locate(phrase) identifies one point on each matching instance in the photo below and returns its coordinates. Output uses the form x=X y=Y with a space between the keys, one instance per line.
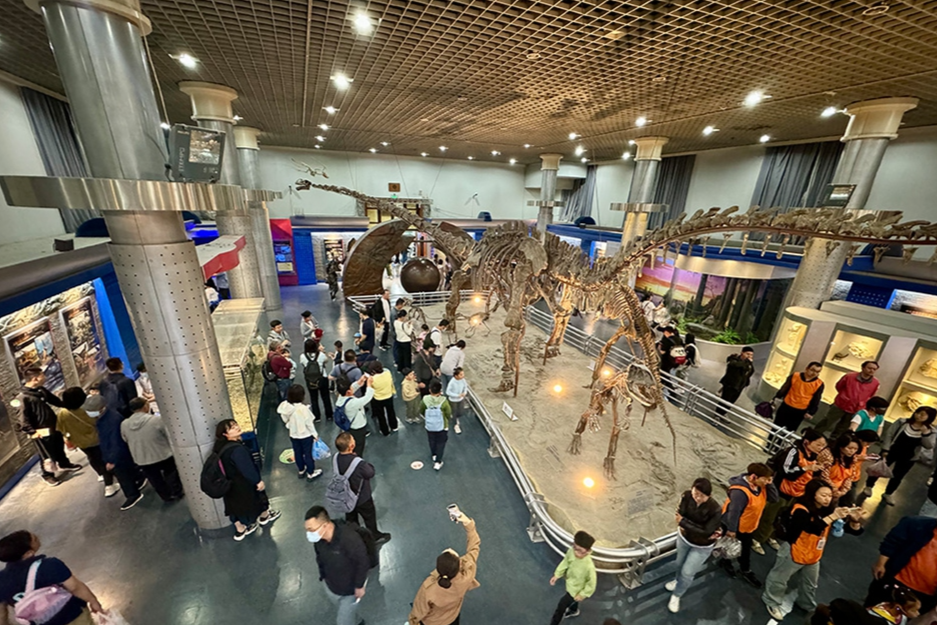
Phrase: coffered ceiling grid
x=482 y=75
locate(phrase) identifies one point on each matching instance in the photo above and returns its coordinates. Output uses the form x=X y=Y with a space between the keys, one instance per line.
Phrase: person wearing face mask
x=343 y=562
x=807 y=528
x=78 y=428
x=439 y=599
x=698 y=519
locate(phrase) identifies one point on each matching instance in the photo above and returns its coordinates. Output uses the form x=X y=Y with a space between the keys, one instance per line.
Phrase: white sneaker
x=457 y=428
x=110 y=491
x=671 y=585
x=100 y=478
x=434 y=458
x=674 y=604
x=437 y=466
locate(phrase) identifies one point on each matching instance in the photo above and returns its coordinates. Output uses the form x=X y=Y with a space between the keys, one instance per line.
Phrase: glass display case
x=787 y=344
x=849 y=348
x=240 y=335
x=919 y=385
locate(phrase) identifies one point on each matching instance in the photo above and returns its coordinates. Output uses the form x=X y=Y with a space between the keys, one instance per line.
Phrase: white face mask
x=313 y=537
x=93 y=414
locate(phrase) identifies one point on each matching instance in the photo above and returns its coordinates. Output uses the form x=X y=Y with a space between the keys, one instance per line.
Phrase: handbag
x=320 y=450
x=879 y=468
x=727 y=547
x=765 y=410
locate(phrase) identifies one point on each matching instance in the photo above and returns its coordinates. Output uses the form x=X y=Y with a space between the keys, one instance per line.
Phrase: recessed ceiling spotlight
x=424 y=119
x=641 y=121
x=342 y=81
x=187 y=60
x=584 y=159
x=320 y=138
x=659 y=79
x=385 y=143
x=443 y=148
x=533 y=56
x=372 y=150
x=614 y=35
x=754 y=98
x=526 y=146
x=495 y=153
x=237 y=118
x=765 y=138
x=324 y=126
x=572 y=136
x=580 y=150
x=331 y=110
x=708 y=130
x=295 y=125
x=513 y=161
x=318 y=147
x=471 y=158
x=879 y=8
x=626 y=156
x=165 y=126
x=424 y=154
x=461 y=98
x=631 y=142
x=363 y=23
x=829 y=111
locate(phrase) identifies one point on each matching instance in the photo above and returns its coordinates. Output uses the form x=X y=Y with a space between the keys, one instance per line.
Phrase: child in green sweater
x=578 y=569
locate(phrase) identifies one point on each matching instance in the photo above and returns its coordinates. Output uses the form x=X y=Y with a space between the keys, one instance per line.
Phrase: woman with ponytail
x=439 y=599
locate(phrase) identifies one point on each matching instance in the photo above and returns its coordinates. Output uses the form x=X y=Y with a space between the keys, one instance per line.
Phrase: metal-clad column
x=248 y=151
x=211 y=108
x=101 y=61
x=872 y=125
x=550 y=165
x=643 y=185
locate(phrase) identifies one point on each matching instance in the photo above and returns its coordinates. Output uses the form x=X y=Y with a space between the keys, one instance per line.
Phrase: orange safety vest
x=839 y=474
x=751 y=515
x=808 y=548
x=801 y=392
x=796 y=488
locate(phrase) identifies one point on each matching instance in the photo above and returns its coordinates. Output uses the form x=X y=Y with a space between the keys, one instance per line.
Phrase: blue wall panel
x=303 y=257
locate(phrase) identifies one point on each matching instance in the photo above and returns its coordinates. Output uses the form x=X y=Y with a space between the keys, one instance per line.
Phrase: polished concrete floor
x=150 y=563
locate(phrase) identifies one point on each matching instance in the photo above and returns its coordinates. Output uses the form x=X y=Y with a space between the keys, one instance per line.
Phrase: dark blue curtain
x=578 y=200
x=794 y=176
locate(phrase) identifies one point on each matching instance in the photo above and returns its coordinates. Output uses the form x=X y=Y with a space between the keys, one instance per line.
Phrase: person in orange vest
x=800 y=396
x=806 y=529
x=749 y=493
x=842 y=467
x=794 y=467
x=907 y=558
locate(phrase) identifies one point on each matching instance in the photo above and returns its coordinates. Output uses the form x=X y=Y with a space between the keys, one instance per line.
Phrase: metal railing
x=628 y=563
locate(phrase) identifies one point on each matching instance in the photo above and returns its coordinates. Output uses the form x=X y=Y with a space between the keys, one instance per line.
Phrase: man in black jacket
x=38 y=420
x=343 y=562
x=907 y=556
x=738 y=375
x=116 y=388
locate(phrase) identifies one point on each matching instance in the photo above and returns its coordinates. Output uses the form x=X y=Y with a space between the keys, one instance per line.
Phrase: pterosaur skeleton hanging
x=519 y=265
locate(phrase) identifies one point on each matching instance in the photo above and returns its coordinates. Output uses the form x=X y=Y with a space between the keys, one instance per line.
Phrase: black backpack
x=214 y=482
x=312 y=371
x=777 y=461
x=370 y=544
x=267 y=372
x=782 y=524
x=343 y=373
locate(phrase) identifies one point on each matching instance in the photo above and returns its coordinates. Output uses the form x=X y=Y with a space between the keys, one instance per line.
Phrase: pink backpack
x=39 y=605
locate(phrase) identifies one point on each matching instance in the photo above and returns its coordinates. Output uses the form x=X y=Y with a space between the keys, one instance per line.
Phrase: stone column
x=872 y=125
x=248 y=151
x=101 y=61
x=643 y=186
x=211 y=108
x=549 y=167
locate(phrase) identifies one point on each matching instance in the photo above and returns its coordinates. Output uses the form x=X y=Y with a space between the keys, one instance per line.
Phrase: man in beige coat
x=439 y=599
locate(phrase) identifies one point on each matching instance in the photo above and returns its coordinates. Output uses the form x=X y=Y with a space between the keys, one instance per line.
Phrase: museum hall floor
x=150 y=564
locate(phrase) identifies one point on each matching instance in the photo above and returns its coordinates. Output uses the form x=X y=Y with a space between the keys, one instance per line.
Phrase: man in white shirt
x=354 y=408
x=381 y=314
x=454 y=359
x=403 y=336
x=436 y=335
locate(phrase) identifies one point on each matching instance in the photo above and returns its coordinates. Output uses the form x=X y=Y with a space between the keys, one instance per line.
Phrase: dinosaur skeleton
x=519 y=266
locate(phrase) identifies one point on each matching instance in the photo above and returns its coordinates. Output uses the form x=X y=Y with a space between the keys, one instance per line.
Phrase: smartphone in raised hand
x=454 y=512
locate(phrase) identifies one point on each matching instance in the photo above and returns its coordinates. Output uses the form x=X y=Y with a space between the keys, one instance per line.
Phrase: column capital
x=245 y=137
x=550 y=161
x=649 y=148
x=876 y=119
x=127 y=9
x=210 y=101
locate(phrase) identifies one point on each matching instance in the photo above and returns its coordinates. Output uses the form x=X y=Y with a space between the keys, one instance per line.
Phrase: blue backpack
x=435 y=422
x=340 y=418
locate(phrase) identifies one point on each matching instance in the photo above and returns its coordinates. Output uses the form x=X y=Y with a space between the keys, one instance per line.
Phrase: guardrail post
x=633 y=575
x=493 y=450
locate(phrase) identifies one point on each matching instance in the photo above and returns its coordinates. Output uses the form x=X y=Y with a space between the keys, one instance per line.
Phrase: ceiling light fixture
x=342 y=81
x=513 y=161
x=385 y=143
x=533 y=56
x=879 y=8
x=584 y=159
x=318 y=147
x=320 y=138
x=829 y=111
x=765 y=138
x=526 y=146
x=443 y=148
x=754 y=98
x=331 y=110
x=372 y=150
x=423 y=154
x=659 y=79
x=471 y=158
x=573 y=136
x=165 y=126
x=641 y=121
x=237 y=118
x=187 y=60
x=708 y=130
x=324 y=126
x=626 y=156
x=580 y=150
x=495 y=153
x=363 y=23
x=631 y=142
